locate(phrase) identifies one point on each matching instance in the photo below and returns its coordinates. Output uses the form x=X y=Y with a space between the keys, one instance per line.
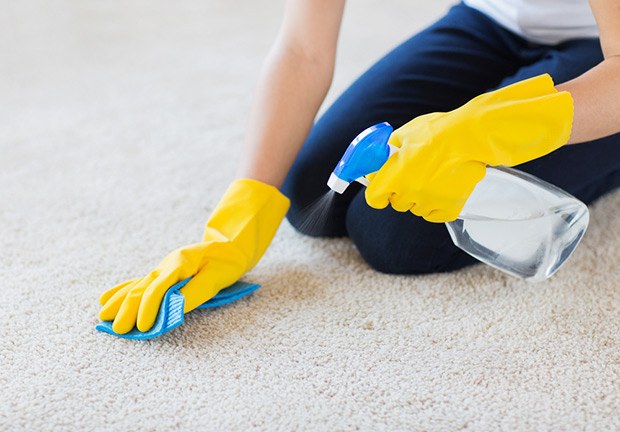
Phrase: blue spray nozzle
x=366 y=154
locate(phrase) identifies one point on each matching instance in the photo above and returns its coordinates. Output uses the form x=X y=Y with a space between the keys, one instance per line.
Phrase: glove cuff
x=248 y=215
x=517 y=123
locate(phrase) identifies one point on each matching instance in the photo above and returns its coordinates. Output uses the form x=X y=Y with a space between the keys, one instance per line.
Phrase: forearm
x=596 y=96
x=291 y=90
x=597 y=92
x=293 y=84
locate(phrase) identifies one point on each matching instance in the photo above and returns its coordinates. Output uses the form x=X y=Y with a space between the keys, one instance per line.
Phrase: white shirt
x=542 y=21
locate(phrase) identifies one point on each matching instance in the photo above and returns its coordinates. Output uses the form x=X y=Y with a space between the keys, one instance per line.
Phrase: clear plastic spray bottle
x=512 y=221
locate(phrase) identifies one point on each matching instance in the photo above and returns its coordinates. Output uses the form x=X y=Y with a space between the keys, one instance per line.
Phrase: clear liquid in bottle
x=520 y=224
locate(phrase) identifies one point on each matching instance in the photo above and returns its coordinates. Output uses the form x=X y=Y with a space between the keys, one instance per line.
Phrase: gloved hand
x=443 y=155
x=235 y=238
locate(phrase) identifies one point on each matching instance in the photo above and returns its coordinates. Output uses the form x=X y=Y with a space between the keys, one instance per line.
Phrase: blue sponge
x=171 y=313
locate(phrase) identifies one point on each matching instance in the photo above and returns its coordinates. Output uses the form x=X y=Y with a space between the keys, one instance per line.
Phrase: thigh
x=586 y=170
x=438 y=69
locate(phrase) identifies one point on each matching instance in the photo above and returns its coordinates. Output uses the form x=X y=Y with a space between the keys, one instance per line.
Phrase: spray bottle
x=512 y=221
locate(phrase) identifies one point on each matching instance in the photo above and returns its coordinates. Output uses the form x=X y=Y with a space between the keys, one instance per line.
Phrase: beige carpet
x=120 y=125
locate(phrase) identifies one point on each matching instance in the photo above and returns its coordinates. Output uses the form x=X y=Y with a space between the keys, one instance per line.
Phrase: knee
x=401 y=243
x=390 y=257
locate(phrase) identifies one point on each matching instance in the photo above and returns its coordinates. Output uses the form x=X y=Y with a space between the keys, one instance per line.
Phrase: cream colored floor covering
x=121 y=122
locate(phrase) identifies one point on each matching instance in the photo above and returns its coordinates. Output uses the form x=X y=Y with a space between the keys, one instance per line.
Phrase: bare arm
x=294 y=82
x=597 y=92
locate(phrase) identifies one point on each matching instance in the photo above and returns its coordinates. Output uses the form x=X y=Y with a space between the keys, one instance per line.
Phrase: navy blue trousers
x=462 y=55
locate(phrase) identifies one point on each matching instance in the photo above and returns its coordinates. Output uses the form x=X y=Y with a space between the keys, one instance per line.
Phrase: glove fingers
x=381 y=188
x=128 y=311
x=151 y=301
x=103 y=299
x=377 y=200
x=420 y=209
x=111 y=309
x=112 y=305
x=400 y=203
x=152 y=297
x=126 y=318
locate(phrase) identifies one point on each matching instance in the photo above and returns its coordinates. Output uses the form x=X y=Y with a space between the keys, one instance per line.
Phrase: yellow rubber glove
x=443 y=155
x=235 y=238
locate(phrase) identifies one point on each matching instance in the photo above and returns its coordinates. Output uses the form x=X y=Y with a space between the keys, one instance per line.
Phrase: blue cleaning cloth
x=171 y=314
